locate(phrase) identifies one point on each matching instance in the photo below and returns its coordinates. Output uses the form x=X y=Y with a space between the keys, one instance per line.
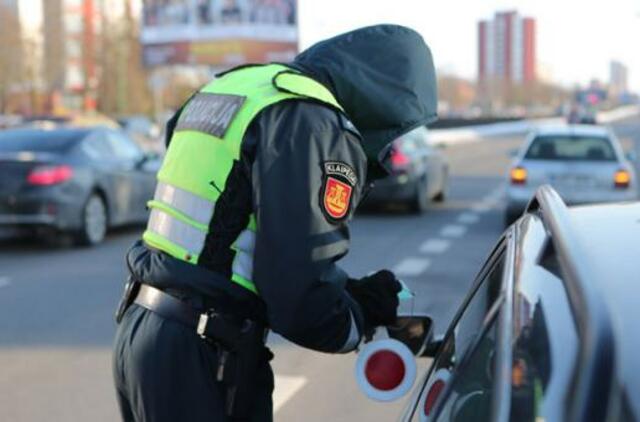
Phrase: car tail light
x=622 y=179
x=518 y=176
x=432 y=396
x=399 y=160
x=49 y=175
x=385 y=369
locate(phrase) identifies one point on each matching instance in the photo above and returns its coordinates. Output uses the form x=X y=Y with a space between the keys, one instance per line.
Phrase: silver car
x=584 y=164
x=548 y=330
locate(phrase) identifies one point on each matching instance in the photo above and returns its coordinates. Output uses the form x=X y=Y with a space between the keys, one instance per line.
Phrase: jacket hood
x=384 y=78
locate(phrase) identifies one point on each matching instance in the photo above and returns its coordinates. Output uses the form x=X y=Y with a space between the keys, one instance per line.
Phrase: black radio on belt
x=131 y=289
x=240 y=350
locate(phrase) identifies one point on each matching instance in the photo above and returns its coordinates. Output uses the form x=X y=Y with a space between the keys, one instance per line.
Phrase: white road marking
x=488 y=205
x=496 y=194
x=410 y=267
x=453 y=230
x=4 y=281
x=490 y=201
x=468 y=218
x=435 y=246
x=286 y=388
x=480 y=208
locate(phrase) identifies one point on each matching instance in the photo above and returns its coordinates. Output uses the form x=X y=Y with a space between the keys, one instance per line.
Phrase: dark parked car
x=418 y=176
x=582 y=116
x=80 y=181
x=549 y=330
x=140 y=128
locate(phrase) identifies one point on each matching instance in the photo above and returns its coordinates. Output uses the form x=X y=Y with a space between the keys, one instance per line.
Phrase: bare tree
x=457 y=92
x=122 y=84
x=54 y=46
x=11 y=66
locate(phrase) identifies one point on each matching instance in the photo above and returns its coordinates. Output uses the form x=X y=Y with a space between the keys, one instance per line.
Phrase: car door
x=469 y=344
x=98 y=155
x=135 y=183
x=517 y=362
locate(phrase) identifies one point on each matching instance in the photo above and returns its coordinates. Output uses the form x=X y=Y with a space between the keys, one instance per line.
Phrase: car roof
x=573 y=130
x=35 y=137
x=598 y=248
x=612 y=235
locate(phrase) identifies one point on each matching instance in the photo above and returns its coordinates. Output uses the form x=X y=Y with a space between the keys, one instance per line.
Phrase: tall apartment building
x=507 y=49
x=618 y=78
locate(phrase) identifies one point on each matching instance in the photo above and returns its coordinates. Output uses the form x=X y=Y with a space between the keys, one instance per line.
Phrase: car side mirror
x=433 y=346
x=631 y=156
x=513 y=153
x=150 y=161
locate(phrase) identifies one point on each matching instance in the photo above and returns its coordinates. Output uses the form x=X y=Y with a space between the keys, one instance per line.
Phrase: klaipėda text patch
x=210 y=113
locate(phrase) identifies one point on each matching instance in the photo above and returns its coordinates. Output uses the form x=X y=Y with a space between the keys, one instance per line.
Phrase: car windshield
x=571 y=148
x=34 y=140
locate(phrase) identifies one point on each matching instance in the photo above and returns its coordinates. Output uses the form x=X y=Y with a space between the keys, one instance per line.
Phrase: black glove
x=377 y=295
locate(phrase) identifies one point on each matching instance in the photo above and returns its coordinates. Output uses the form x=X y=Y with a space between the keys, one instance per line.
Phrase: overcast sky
x=576 y=38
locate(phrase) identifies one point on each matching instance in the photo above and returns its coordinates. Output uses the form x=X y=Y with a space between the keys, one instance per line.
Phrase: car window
x=413 y=140
x=35 y=140
x=420 y=133
x=571 y=148
x=420 y=136
x=477 y=314
x=97 y=146
x=545 y=341
x=123 y=147
x=469 y=395
x=407 y=144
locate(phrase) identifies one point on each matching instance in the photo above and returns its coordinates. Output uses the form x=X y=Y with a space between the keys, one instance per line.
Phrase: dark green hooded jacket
x=384 y=78
x=382 y=75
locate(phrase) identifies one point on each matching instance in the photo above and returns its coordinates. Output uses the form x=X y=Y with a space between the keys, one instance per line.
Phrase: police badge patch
x=337 y=189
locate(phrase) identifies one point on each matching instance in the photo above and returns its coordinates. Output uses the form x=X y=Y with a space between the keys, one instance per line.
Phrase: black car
x=79 y=181
x=549 y=330
x=419 y=173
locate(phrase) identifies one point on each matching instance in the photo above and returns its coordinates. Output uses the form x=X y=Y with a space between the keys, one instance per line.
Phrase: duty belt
x=208 y=324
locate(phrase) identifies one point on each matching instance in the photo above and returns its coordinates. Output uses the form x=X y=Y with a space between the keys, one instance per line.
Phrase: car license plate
x=572 y=181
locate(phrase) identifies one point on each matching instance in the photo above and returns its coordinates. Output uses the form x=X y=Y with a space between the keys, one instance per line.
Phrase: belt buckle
x=201 y=329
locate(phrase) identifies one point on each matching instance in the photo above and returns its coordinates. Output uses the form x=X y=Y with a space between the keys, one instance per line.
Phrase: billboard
x=220 y=33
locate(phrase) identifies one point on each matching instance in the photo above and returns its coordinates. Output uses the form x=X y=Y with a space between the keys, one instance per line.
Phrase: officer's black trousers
x=164 y=372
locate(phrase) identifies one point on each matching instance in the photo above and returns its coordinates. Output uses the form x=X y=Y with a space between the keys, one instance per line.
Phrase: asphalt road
x=56 y=305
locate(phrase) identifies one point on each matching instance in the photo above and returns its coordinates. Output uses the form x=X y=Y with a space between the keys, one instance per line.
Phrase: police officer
x=265 y=165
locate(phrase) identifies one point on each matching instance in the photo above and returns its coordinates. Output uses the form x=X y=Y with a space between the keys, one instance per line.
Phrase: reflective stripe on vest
x=186 y=202
x=202 y=153
x=176 y=230
x=243 y=261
